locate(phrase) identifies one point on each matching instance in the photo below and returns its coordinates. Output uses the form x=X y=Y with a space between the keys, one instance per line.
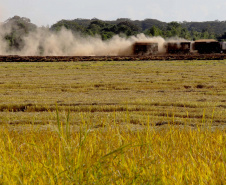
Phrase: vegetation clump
x=111 y=155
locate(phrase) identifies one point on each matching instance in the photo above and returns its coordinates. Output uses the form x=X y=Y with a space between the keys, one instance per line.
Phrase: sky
x=48 y=12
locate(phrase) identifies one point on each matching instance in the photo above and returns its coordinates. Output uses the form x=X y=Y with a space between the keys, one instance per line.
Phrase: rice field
x=149 y=122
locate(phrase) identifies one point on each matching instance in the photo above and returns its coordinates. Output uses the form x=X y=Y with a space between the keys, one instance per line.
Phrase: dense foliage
x=16 y=28
x=151 y=27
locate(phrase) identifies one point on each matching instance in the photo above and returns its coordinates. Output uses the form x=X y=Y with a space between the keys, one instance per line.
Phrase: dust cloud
x=42 y=41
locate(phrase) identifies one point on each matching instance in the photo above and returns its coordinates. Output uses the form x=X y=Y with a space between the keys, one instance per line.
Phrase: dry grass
x=130 y=123
x=112 y=155
x=181 y=91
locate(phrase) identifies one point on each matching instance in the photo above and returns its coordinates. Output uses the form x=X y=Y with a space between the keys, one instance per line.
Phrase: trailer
x=145 y=48
x=207 y=46
x=178 y=47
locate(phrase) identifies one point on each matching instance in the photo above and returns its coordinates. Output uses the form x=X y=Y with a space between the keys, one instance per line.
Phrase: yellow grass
x=153 y=122
x=163 y=90
x=112 y=155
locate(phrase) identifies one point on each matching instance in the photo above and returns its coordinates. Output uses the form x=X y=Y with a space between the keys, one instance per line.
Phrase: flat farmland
x=149 y=122
x=138 y=93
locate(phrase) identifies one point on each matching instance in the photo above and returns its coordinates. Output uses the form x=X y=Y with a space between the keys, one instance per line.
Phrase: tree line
x=150 y=27
x=19 y=27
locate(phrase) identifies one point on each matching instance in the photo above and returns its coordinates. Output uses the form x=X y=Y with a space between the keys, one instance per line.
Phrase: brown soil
x=15 y=58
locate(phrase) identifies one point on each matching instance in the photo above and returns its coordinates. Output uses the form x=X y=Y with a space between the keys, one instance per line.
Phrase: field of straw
x=153 y=122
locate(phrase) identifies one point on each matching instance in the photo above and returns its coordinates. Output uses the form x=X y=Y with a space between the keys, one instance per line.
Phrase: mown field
x=149 y=122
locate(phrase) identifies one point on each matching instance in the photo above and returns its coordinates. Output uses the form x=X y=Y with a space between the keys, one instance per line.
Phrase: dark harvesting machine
x=145 y=48
x=207 y=46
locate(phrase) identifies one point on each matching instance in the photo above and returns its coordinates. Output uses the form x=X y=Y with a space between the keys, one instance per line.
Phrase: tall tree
x=17 y=28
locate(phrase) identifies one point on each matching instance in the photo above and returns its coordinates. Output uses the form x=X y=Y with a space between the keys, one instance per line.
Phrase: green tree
x=70 y=25
x=18 y=28
x=185 y=34
x=155 y=31
x=95 y=27
x=127 y=28
x=195 y=35
x=206 y=35
x=174 y=29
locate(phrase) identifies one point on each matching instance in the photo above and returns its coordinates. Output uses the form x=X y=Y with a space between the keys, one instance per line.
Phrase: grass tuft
x=112 y=155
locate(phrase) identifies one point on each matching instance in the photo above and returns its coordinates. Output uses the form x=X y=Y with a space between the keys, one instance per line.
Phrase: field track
x=16 y=58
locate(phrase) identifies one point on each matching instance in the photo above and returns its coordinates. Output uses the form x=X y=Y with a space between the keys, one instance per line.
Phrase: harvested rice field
x=112 y=122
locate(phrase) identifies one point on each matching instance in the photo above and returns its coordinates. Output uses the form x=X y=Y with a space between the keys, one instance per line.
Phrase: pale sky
x=48 y=12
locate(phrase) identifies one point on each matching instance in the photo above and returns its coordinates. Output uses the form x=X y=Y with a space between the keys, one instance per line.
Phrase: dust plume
x=42 y=41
